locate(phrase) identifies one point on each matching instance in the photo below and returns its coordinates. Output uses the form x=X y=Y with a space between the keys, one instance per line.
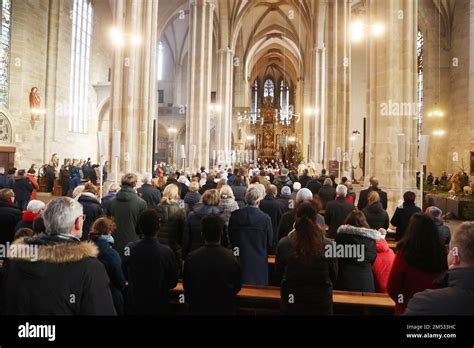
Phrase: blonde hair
x=211 y=197
x=373 y=197
x=129 y=179
x=170 y=194
x=226 y=192
x=194 y=186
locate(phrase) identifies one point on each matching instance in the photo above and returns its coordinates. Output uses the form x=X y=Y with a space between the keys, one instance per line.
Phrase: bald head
x=374 y=182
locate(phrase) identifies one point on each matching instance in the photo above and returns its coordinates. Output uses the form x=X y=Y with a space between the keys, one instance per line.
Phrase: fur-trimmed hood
x=55 y=252
x=359 y=231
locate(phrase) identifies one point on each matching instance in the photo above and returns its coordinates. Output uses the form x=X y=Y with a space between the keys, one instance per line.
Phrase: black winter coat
x=191 y=199
x=326 y=194
x=454 y=296
x=336 y=213
x=359 y=252
x=22 y=188
x=250 y=231
x=212 y=279
x=151 y=272
x=311 y=284
x=209 y=185
x=364 y=196
x=275 y=210
x=287 y=223
x=92 y=210
x=376 y=216
x=314 y=186
x=281 y=181
x=10 y=215
x=150 y=194
x=69 y=280
x=401 y=218
x=239 y=194
x=304 y=180
x=192 y=238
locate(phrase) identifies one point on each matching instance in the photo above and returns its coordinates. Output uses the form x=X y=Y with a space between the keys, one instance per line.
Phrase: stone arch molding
x=7 y=130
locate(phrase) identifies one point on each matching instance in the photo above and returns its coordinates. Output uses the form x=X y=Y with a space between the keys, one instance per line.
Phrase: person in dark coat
x=285 y=199
x=337 y=211
x=212 y=276
x=454 y=292
x=192 y=238
x=287 y=221
x=308 y=275
x=323 y=176
x=101 y=234
x=64 y=177
x=23 y=189
x=192 y=196
x=364 y=194
x=209 y=185
x=305 y=178
x=274 y=209
x=327 y=193
x=443 y=230
x=183 y=188
x=403 y=213
x=10 y=215
x=125 y=208
x=358 y=243
x=3 y=179
x=92 y=208
x=376 y=216
x=283 y=180
x=239 y=190
x=149 y=193
x=150 y=269
x=75 y=181
x=251 y=237
x=172 y=221
x=314 y=186
x=50 y=176
x=111 y=194
x=33 y=210
x=61 y=270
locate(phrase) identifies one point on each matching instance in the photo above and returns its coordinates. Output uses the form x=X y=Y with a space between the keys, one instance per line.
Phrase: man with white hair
x=148 y=192
x=59 y=275
x=454 y=293
x=337 y=211
x=33 y=210
x=251 y=237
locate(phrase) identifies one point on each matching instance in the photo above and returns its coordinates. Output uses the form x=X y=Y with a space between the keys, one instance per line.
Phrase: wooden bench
x=266 y=299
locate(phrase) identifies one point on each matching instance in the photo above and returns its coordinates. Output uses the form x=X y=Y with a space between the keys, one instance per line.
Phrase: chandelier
x=284 y=117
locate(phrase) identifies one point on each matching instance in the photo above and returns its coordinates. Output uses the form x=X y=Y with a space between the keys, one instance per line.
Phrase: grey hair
x=60 y=215
x=341 y=190
x=252 y=196
x=327 y=181
x=2 y=170
x=146 y=178
x=35 y=206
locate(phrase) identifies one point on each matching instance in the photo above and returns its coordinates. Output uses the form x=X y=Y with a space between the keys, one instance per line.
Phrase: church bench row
x=266 y=300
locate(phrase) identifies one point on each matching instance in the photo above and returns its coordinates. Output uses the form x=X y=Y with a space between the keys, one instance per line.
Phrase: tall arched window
x=419 y=53
x=255 y=97
x=6 y=9
x=284 y=96
x=269 y=89
x=160 y=61
x=80 y=61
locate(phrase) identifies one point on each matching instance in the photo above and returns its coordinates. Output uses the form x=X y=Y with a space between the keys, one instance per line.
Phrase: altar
x=275 y=137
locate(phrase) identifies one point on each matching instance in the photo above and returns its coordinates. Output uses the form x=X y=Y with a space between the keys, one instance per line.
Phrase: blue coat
x=92 y=211
x=250 y=231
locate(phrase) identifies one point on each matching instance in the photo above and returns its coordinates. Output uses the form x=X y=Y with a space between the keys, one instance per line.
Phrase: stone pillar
x=339 y=57
x=318 y=103
x=199 y=82
x=224 y=118
x=133 y=100
x=392 y=82
x=49 y=132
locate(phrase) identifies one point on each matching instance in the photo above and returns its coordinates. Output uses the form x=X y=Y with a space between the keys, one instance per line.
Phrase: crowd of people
x=122 y=254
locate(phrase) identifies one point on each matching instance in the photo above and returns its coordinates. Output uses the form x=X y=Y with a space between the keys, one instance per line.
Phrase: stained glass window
x=255 y=97
x=419 y=53
x=80 y=61
x=160 y=61
x=269 y=89
x=6 y=9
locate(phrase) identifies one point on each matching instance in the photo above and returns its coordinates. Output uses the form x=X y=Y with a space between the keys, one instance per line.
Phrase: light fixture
x=292 y=139
x=378 y=29
x=353 y=138
x=135 y=40
x=357 y=31
x=172 y=130
x=436 y=113
x=439 y=132
x=117 y=37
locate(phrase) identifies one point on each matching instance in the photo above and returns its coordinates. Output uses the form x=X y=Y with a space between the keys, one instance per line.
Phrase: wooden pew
x=266 y=299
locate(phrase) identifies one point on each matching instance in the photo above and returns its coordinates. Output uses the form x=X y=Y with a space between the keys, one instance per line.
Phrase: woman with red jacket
x=383 y=263
x=420 y=259
x=34 y=182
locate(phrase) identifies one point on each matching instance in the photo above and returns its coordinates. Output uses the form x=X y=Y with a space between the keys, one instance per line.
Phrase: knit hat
x=434 y=212
x=286 y=190
x=296 y=186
